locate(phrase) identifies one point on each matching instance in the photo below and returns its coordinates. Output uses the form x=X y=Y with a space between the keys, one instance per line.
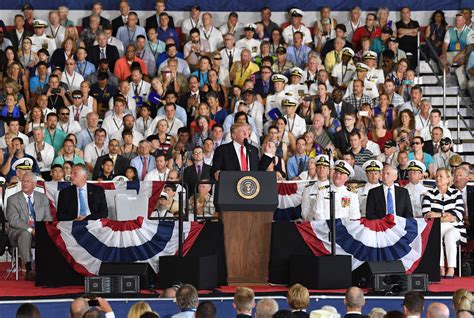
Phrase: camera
x=55 y=90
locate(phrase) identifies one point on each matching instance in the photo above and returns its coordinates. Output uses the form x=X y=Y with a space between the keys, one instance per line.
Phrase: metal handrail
x=442 y=83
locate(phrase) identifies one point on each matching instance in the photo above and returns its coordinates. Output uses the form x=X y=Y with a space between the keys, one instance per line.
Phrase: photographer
x=56 y=95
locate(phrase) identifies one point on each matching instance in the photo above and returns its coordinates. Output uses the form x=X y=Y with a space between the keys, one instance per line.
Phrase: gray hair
x=266 y=308
x=30 y=175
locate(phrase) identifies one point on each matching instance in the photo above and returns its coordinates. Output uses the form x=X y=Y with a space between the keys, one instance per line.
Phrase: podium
x=247 y=201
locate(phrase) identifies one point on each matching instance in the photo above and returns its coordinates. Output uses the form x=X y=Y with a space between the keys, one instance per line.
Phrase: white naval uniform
x=362 y=193
x=343 y=73
x=416 y=192
x=297 y=125
x=309 y=198
x=44 y=41
x=347 y=204
x=290 y=30
x=297 y=90
x=376 y=76
x=370 y=89
x=253 y=45
x=274 y=101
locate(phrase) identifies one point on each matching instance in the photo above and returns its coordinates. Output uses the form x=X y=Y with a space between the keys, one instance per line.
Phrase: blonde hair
x=298 y=297
x=462 y=299
x=448 y=174
x=138 y=309
x=244 y=299
x=377 y=312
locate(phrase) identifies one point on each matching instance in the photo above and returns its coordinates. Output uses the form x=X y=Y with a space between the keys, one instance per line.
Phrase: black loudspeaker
x=364 y=275
x=199 y=271
x=419 y=282
x=144 y=270
x=114 y=284
x=324 y=272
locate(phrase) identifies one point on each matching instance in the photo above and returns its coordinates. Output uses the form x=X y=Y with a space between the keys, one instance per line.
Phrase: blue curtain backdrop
x=250 y=6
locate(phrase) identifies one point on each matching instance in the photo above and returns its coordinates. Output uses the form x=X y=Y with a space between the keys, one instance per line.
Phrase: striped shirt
x=451 y=202
x=362 y=156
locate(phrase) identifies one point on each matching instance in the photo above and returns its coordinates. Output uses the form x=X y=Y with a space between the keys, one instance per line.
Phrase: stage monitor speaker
x=419 y=282
x=364 y=275
x=199 y=271
x=144 y=270
x=113 y=284
x=323 y=272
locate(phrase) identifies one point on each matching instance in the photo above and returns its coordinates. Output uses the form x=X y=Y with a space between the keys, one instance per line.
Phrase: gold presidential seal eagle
x=248 y=187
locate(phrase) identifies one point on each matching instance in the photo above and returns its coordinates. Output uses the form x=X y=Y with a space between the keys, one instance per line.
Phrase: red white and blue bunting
x=388 y=239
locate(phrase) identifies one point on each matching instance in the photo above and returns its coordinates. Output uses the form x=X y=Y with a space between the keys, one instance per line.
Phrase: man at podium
x=239 y=154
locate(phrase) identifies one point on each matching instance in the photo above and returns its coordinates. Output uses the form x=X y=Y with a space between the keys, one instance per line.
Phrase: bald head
x=354 y=300
x=78 y=307
x=437 y=310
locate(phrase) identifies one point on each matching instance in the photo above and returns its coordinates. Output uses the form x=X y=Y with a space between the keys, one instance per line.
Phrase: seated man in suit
x=239 y=155
x=197 y=171
x=81 y=200
x=24 y=209
x=461 y=178
x=354 y=301
x=388 y=198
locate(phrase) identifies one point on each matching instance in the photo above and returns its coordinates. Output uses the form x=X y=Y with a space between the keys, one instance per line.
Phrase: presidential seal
x=248 y=187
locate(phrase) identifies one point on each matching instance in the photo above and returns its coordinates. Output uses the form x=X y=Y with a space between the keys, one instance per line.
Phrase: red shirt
x=381 y=140
x=122 y=68
x=362 y=32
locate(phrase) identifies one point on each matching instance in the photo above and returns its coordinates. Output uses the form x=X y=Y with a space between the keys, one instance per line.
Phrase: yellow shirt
x=243 y=74
x=331 y=59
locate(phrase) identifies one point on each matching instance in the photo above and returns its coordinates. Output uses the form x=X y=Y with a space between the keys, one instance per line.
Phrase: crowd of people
x=245 y=305
x=334 y=105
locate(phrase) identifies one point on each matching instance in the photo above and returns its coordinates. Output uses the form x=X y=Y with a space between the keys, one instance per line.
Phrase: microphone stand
x=332 y=208
x=247 y=147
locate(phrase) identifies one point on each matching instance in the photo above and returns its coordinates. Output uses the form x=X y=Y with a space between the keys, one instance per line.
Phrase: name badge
x=301 y=92
x=458 y=46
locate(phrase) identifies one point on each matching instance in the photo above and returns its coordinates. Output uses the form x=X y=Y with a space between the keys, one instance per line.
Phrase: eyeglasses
x=64 y=114
x=416 y=143
x=197 y=152
x=218 y=58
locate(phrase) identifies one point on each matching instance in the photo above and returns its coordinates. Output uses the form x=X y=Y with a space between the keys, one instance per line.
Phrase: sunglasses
x=64 y=114
x=218 y=58
x=416 y=143
x=77 y=97
x=197 y=152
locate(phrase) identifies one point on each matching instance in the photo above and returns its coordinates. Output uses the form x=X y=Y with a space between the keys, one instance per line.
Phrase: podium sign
x=247 y=201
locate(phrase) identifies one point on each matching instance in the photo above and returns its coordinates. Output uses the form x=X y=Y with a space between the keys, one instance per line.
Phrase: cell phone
x=408 y=82
x=55 y=90
x=93 y=302
x=364 y=113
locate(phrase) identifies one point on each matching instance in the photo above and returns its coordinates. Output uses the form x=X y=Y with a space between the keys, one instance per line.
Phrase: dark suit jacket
x=300 y=314
x=121 y=164
x=346 y=108
x=258 y=88
x=376 y=205
x=428 y=147
x=16 y=42
x=470 y=211
x=183 y=102
x=58 y=58
x=151 y=22
x=355 y=316
x=67 y=209
x=225 y=159
x=117 y=23
x=111 y=54
x=190 y=176
x=103 y=22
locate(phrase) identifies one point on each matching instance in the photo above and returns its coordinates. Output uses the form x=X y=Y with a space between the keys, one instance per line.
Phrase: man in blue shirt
x=299 y=161
x=165 y=31
x=128 y=33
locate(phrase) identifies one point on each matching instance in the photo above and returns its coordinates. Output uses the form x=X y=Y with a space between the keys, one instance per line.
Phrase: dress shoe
x=30 y=276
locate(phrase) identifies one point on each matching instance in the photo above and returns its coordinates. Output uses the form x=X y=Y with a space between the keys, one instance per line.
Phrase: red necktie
x=243 y=159
x=144 y=168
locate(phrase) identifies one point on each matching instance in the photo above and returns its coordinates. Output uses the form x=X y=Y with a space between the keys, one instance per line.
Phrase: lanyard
x=83 y=70
x=130 y=37
x=62 y=127
x=192 y=24
x=458 y=36
x=206 y=35
x=90 y=135
x=54 y=35
x=73 y=77
x=356 y=27
x=151 y=49
x=116 y=125
x=97 y=152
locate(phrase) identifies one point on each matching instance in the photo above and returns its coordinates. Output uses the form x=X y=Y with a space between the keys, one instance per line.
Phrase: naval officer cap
x=296 y=71
x=323 y=160
x=344 y=167
x=372 y=165
x=23 y=164
x=416 y=165
x=279 y=78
